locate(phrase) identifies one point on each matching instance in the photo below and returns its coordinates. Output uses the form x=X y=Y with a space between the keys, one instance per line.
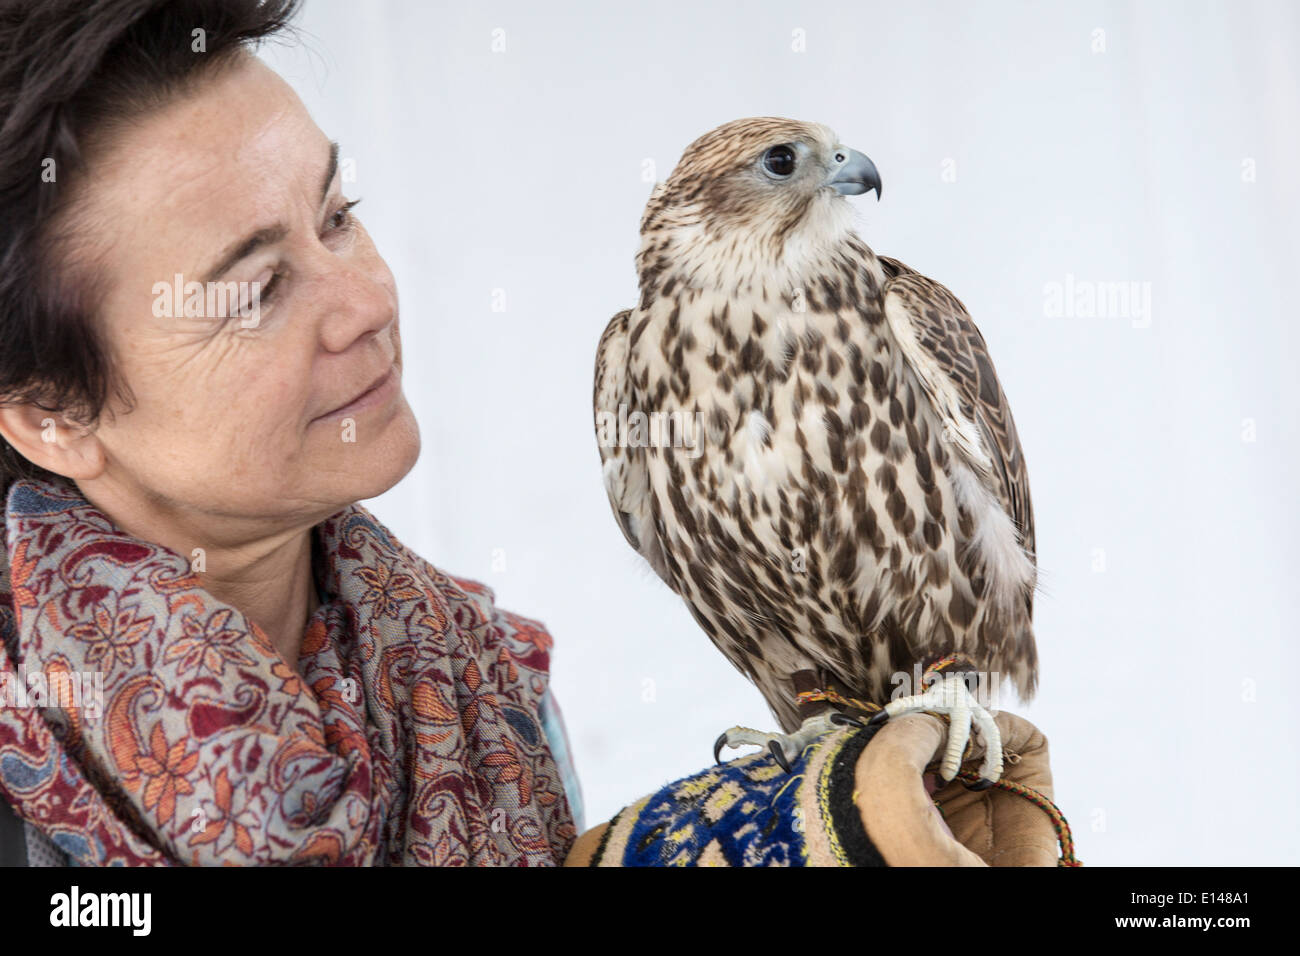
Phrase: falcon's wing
x=948 y=353
x=626 y=480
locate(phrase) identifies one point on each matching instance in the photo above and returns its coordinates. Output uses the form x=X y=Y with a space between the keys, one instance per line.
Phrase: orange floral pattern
x=411 y=732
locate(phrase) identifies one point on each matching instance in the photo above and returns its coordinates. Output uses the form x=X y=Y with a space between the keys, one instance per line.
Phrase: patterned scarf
x=145 y=722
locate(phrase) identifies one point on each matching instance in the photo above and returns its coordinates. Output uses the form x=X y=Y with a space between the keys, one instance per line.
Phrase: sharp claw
x=778 y=755
x=878 y=719
x=982 y=784
x=838 y=718
x=718 y=745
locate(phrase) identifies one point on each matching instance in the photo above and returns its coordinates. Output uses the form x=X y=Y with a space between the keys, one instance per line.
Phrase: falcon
x=844 y=498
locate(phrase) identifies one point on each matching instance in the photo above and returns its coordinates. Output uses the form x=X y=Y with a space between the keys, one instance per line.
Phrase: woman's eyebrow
x=245 y=247
x=330 y=169
x=269 y=234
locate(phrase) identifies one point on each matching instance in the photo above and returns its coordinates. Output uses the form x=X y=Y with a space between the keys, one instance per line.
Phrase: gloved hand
x=856 y=797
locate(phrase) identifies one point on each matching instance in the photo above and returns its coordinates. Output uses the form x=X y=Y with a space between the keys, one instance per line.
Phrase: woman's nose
x=354 y=299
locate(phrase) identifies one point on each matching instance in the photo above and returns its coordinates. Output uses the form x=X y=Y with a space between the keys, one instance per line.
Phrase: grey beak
x=853 y=174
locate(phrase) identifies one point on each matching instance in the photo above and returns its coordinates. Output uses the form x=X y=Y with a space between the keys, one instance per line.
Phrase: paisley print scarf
x=145 y=722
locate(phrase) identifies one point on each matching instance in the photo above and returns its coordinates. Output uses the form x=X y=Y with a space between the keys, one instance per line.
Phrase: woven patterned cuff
x=750 y=812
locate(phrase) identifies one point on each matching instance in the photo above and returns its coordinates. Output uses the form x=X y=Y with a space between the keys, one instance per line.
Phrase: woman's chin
x=375 y=466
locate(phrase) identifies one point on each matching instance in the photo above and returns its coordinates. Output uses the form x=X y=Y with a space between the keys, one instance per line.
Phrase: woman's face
x=235 y=415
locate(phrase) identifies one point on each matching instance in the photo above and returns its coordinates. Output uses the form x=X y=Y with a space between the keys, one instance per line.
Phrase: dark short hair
x=71 y=72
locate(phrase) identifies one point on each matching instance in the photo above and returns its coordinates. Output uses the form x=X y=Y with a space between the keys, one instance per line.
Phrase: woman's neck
x=277 y=590
x=268 y=578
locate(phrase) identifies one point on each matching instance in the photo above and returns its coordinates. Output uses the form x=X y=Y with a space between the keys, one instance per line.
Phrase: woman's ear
x=53 y=441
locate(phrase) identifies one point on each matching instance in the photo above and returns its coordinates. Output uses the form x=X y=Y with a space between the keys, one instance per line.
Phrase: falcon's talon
x=845 y=719
x=878 y=719
x=949 y=697
x=784 y=748
x=717 y=747
x=980 y=785
x=775 y=749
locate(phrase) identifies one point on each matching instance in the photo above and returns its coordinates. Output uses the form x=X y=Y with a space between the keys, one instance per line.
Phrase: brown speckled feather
x=949 y=333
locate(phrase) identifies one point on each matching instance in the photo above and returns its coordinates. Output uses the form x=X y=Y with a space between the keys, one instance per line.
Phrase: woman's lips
x=376 y=396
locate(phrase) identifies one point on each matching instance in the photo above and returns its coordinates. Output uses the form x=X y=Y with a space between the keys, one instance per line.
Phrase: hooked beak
x=852 y=173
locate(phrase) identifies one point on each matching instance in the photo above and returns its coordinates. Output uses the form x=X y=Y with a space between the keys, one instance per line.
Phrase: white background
x=1166 y=537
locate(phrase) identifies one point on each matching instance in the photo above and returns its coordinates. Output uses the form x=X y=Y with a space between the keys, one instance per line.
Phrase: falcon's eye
x=779 y=161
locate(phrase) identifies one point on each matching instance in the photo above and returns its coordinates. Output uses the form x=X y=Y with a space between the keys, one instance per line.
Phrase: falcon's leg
x=949 y=695
x=784 y=748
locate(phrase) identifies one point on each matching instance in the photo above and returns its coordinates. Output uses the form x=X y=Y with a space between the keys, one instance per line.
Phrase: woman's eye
x=264 y=290
x=267 y=290
x=343 y=218
x=254 y=295
x=779 y=161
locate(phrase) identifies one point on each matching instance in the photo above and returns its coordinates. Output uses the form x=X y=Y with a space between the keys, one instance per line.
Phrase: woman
x=201 y=376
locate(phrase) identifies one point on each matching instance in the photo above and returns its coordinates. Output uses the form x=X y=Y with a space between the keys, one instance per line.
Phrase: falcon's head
x=755 y=200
